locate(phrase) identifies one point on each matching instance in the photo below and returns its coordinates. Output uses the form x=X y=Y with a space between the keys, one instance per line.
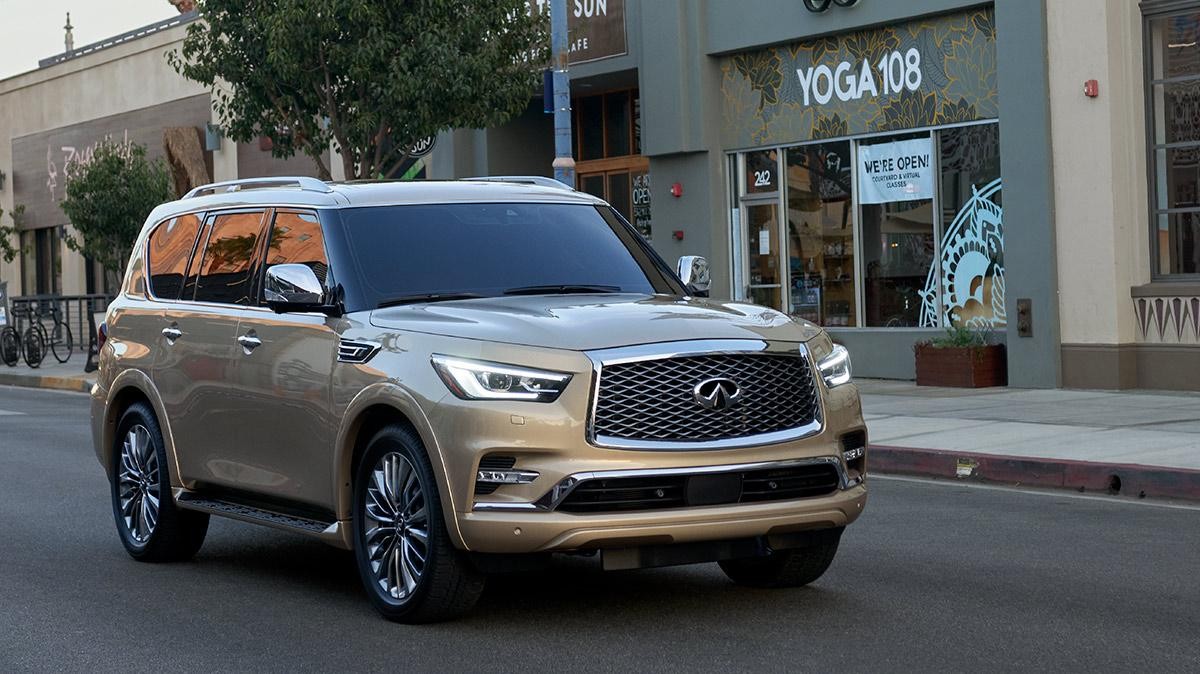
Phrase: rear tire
x=783 y=568
x=152 y=528
x=33 y=346
x=409 y=568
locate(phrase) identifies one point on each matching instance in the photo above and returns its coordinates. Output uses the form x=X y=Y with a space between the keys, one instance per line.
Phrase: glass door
x=760 y=229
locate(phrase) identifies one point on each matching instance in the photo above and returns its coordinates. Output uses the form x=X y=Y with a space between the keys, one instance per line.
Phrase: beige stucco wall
x=119 y=79
x=1100 y=186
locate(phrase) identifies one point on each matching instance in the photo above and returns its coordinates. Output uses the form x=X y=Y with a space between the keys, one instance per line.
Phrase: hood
x=587 y=322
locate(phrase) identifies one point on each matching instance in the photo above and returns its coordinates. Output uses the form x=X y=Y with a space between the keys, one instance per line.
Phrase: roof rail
x=541 y=181
x=305 y=183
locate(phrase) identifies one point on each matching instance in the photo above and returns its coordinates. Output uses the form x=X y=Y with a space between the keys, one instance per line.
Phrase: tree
x=109 y=198
x=375 y=76
x=8 y=250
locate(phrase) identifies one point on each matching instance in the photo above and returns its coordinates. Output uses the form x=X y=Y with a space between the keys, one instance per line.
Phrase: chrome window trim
x=553 y=498
x=702 y=347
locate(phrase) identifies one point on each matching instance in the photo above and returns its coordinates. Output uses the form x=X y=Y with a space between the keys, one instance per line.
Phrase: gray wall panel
x=1027 y=168
x=741 y=25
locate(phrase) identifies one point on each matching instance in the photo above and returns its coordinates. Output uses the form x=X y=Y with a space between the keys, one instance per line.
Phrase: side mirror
x=693 y=271
x=293 y=287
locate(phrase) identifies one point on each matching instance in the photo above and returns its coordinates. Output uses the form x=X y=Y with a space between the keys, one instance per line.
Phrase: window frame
x=147 y=268
x=330 y=282
x=256 y=258
x=1152 y=10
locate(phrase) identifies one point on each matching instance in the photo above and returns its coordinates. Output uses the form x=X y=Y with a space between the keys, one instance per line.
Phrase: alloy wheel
x=396 y=535
x=139 y=484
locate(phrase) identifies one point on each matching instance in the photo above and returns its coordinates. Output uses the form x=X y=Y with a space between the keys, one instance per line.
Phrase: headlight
x=478 y=380
x=835 y=368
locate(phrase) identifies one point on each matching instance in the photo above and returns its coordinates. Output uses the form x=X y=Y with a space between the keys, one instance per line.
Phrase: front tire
x=62 y=343
x=152 y=528
x=409 y=568
x=785 y=568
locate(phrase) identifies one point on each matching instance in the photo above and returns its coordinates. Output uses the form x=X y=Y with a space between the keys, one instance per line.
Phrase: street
x=935 y=576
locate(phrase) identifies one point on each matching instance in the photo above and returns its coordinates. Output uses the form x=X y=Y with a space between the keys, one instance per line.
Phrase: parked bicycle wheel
x=34 y=346
x=61 y=342
x=10 y=345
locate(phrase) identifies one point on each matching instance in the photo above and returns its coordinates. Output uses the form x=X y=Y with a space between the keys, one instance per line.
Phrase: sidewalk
x=1131 y=443
x=51 y=374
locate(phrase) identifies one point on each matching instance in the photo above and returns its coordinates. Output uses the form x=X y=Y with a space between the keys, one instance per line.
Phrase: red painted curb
x=1088 y=476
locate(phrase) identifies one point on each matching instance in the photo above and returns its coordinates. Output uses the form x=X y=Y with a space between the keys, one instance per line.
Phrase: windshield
x=458 y=251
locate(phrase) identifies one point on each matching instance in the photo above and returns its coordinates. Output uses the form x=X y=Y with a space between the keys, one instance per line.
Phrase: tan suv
x=457 y=378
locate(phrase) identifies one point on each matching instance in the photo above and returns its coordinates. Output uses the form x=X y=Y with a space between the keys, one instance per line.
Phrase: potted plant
x=963 y=358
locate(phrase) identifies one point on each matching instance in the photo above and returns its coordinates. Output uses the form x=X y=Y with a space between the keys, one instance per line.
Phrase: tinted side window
x=296 y=239
x=169 y=250
x=226 y=270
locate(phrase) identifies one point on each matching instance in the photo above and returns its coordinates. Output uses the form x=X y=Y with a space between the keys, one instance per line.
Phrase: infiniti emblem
x=717 y=394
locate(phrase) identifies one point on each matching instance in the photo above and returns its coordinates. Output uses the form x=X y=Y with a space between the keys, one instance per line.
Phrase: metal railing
x=76 y=312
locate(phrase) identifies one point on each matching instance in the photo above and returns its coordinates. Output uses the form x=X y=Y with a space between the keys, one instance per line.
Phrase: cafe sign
x=926 y=72
x=595 y=28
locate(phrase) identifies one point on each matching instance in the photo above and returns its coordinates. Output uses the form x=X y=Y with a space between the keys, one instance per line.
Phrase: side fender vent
x=354 y=351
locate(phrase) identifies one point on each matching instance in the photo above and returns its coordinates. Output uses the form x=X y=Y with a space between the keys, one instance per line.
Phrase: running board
x=329 y=531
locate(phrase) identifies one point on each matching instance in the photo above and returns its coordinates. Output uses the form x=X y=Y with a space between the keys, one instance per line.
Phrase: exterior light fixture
x=822 y=5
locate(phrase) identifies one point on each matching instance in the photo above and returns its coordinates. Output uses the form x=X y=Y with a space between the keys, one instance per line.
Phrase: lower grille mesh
x=624 y=494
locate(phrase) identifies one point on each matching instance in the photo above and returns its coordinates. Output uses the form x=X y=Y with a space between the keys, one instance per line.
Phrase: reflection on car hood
x=586 y=322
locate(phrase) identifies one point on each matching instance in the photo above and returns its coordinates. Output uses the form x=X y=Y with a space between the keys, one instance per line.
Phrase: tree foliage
x=109 y=198
x=9 y=233
x=376 y=76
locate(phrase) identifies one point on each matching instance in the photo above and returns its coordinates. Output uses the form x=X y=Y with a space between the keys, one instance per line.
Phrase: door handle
x=249 y=342
x=172 y=333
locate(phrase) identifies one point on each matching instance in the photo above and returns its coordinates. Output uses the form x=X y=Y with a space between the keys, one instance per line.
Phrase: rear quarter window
x=168 y=251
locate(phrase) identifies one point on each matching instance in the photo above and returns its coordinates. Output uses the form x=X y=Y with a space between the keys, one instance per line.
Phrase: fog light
x=506 y=476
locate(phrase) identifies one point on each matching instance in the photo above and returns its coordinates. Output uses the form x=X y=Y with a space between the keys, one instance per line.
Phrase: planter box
x=962 y=366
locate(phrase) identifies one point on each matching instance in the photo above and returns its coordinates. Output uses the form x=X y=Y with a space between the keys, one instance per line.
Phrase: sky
x=31 y=30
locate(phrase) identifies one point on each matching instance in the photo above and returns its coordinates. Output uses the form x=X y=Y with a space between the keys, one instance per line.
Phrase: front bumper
x=522 y=531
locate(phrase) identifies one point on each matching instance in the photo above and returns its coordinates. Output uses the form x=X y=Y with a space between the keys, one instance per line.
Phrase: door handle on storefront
x=172 y=333
x=249 y=342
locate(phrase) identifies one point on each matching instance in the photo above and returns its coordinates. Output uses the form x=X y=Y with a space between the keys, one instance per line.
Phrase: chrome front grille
x=657 y=401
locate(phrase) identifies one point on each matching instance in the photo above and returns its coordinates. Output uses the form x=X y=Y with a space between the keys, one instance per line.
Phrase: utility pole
x=564 y=162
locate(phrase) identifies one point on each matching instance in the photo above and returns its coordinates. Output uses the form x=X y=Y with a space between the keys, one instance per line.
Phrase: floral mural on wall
x=932 y=71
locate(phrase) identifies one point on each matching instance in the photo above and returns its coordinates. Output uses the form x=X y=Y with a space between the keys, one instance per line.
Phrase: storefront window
x=762 y=172
x=896 y=180
x=820 y=233
x=608 y=140
x=895 y=231
x=1174 y=56
x=970 y=268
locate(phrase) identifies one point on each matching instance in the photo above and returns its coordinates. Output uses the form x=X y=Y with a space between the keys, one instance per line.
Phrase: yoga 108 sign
x=895 y=72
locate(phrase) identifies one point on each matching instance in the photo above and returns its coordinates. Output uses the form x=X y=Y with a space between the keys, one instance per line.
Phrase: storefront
x=864 y=175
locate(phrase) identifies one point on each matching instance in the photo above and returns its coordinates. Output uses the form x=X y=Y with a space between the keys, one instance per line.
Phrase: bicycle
x=58 y=338
x=30 y=345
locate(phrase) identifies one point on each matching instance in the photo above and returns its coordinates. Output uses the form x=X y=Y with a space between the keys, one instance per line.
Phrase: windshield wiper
x=427 y=297
x=562 y=290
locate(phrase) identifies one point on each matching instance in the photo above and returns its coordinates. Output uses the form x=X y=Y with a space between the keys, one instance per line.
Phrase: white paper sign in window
x=898 y=171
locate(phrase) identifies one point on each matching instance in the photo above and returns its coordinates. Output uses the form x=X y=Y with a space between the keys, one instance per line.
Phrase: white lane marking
x=9 y=413
x=1114 y=500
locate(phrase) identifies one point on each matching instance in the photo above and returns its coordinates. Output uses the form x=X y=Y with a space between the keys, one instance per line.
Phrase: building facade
x=887 y=170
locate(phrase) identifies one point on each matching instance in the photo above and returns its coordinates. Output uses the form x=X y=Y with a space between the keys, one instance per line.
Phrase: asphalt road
x=934 y=576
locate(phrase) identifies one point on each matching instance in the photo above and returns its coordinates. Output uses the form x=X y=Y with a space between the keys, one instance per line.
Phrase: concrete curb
x=1086 y=476
x=46 y=381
